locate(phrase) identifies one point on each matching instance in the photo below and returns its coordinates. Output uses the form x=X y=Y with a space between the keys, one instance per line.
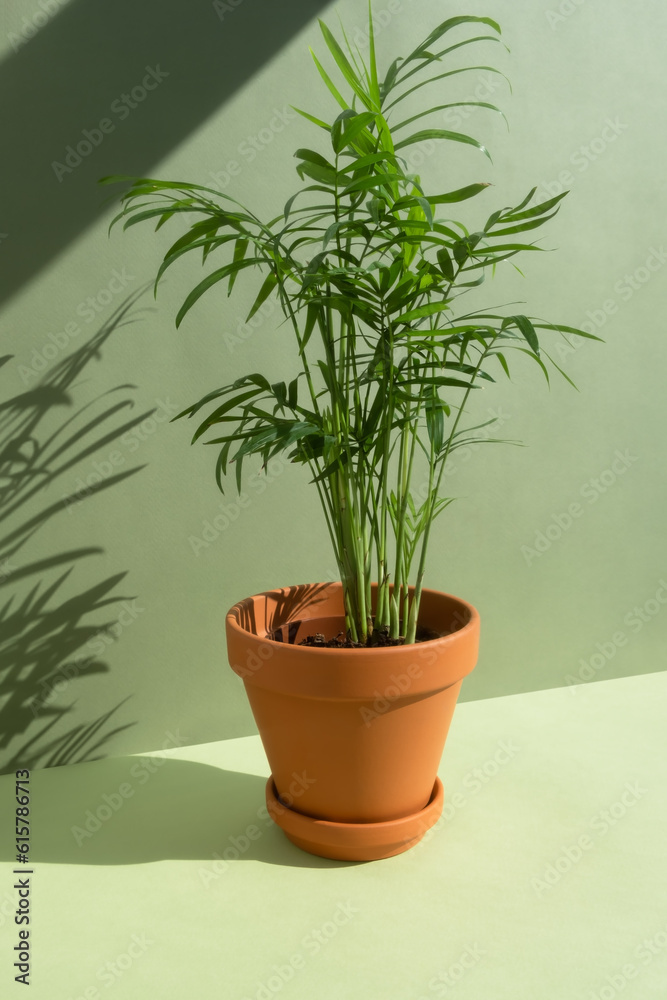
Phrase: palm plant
x=367 y=278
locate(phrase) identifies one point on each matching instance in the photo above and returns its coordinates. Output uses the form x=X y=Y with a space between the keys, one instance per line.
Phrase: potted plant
x=353 y=684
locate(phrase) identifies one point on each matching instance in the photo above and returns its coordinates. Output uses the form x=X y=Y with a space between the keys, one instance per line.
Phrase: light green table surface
x=547 y=878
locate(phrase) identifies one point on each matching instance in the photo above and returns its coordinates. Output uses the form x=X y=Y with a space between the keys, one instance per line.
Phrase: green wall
x=109 y=518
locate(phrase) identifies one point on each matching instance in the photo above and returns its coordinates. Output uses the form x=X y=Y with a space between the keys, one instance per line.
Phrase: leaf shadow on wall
x=48 y=644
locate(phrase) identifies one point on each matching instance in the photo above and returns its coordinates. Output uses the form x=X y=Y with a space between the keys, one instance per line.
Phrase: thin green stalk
x=384 y=474
x=415 y=426
x=433 y=494
x=400 y=583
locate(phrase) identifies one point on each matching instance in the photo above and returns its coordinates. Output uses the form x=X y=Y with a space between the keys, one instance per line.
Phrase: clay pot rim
x=440 y=642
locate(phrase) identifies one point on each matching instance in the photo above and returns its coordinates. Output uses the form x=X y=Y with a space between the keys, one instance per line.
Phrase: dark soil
x=379 y=637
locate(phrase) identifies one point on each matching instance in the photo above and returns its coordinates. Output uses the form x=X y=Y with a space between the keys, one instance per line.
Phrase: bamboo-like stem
x=415 y=427
x=433 y=496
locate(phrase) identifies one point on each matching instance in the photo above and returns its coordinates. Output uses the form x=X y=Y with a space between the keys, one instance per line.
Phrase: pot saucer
x=354 y=841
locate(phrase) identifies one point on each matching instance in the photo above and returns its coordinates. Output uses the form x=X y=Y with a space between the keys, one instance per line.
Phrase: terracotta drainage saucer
x=354 y=841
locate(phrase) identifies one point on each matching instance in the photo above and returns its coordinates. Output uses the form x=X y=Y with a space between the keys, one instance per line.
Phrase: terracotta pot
x=353 y=737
